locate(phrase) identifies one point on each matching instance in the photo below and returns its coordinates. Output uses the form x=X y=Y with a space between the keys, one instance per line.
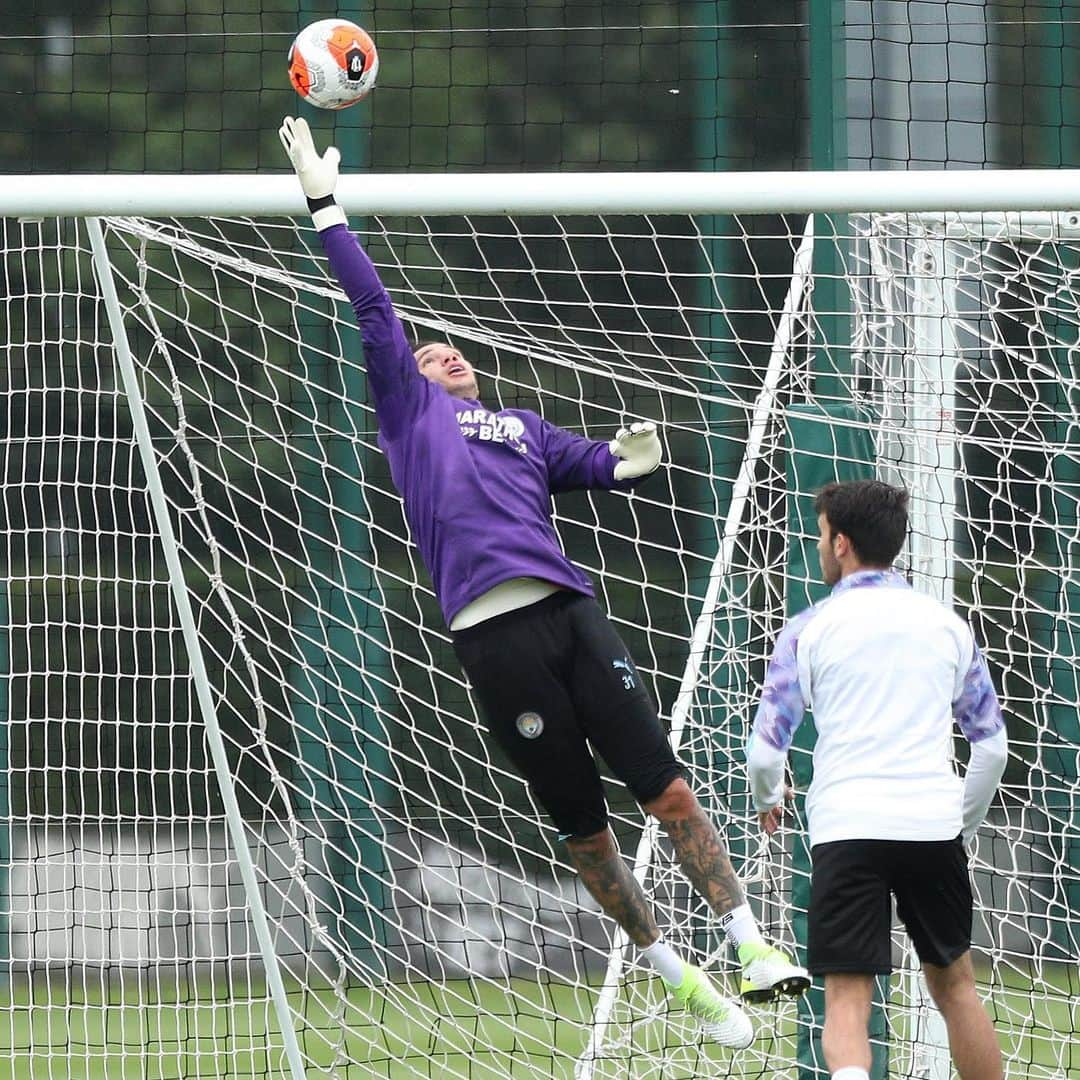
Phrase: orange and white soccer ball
x=333 y=63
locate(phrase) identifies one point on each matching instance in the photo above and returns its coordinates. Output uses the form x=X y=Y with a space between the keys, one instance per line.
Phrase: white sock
x=665 y=961
x=851 y=1072
x=741 y=927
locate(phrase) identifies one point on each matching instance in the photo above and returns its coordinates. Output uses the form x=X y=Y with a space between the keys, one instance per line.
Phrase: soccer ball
x=333 y=63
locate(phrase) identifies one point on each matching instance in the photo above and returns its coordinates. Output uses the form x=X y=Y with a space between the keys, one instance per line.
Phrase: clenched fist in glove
x=638 y=447
x=318 y=174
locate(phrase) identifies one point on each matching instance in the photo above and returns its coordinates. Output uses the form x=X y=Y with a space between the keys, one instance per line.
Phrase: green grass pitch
x=479 y=1031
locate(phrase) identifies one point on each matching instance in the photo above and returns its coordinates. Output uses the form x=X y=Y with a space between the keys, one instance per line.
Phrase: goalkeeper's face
x=443 y=364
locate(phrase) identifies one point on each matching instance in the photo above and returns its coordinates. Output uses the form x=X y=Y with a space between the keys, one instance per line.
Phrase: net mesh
x=423 y=912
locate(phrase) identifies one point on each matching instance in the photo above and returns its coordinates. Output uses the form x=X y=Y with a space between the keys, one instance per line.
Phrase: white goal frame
x=1019 y=190
x=1008 y=195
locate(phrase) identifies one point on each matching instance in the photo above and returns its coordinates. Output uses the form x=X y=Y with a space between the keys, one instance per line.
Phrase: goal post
x=403 y=905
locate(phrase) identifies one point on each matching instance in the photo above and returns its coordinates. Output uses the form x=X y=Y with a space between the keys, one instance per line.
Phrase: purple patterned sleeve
x=977 y=709
x=782 y=707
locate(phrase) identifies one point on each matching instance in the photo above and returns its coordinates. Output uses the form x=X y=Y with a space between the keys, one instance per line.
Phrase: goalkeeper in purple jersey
x=548 y=668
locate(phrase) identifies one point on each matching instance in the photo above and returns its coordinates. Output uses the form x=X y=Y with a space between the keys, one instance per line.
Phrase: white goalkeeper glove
x=638 y=448
x=318 y=174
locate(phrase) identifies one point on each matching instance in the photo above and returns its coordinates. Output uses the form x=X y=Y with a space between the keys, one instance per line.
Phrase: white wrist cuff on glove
x=327 y=216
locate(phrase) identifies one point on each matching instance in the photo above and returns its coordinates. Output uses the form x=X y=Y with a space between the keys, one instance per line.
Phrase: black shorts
x=553 y=678
x=851 y=890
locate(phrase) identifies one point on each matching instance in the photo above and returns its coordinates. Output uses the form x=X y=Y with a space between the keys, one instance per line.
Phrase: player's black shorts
x=553 y=678
x=851 y=890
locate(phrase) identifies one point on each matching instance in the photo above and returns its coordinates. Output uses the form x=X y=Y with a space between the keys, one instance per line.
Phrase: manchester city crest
x=530 y=724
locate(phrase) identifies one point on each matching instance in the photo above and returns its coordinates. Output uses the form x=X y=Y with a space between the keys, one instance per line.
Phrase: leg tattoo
x=704 y=859
x=613 y=886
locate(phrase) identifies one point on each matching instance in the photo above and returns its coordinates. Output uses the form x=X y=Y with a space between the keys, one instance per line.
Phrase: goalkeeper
x=545 y=663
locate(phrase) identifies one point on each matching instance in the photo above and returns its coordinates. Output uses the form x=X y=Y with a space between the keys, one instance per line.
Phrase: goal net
x=254 y=826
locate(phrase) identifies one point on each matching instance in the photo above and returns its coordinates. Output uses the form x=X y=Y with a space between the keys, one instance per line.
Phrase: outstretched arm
x=400 y=391
x=575 y=462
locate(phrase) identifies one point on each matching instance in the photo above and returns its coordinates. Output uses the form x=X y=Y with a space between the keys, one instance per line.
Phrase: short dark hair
x=871 y=514
x=419 y=344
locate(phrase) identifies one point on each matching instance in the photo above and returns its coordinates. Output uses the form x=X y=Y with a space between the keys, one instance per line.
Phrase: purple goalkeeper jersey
x=477 y=484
